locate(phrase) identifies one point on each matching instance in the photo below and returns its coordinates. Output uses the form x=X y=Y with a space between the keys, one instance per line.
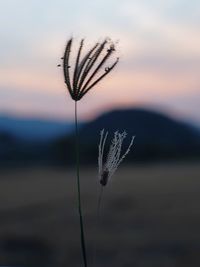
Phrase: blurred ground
x=150 y=217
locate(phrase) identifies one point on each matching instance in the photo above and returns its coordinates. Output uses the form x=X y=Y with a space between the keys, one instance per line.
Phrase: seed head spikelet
x=101 y=149
x=108 y=53
x=85 y=61
x=66 y=66
x=108 y=167
x=91 y=61
x=83 y=76
x=76 y=66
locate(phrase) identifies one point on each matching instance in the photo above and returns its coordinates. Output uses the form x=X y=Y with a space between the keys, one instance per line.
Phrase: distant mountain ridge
x=157 y=135
x=138 y=122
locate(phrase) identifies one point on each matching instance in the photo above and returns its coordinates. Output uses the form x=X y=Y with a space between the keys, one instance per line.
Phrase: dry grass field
x=150 y=217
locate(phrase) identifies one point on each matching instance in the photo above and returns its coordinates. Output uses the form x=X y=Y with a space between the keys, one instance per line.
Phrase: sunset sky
x=158 y=46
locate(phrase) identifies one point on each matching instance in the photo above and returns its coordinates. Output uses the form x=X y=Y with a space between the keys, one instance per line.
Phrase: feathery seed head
x=84 y=75
x=114 y=157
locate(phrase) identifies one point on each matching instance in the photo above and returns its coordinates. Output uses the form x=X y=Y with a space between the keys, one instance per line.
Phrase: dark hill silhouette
x=157 y=135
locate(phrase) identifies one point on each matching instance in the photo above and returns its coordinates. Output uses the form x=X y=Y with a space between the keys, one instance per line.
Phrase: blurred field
x=150 y=217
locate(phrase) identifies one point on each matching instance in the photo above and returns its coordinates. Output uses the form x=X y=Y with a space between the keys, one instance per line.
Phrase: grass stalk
x=82 y=235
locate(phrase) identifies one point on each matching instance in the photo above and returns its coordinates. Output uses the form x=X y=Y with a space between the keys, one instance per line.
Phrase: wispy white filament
x=114 y=157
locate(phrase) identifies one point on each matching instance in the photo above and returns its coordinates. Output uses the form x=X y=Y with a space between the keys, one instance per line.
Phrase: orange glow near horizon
x=124 y=87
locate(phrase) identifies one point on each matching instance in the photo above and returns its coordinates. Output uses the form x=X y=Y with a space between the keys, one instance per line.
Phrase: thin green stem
x=79 y=191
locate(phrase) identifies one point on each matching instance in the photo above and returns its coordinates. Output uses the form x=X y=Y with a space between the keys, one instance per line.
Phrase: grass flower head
x=108 y=167
x=85 y=74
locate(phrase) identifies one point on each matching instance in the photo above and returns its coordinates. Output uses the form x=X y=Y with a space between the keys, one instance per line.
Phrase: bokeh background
x=150 y=212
